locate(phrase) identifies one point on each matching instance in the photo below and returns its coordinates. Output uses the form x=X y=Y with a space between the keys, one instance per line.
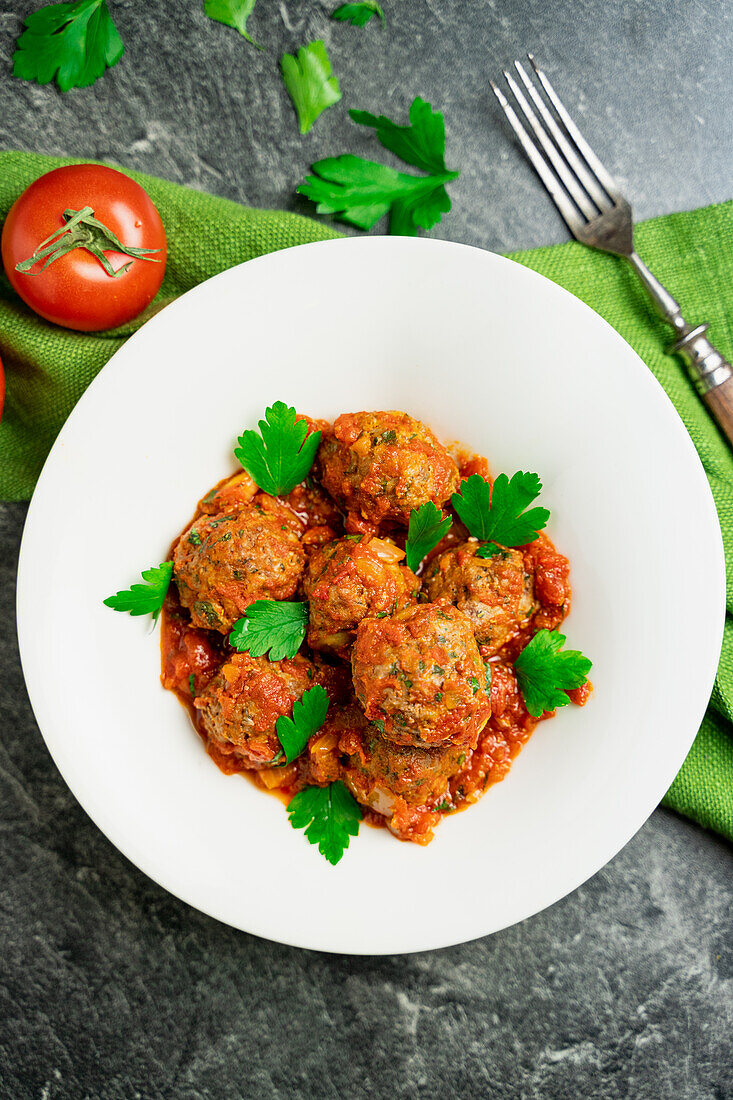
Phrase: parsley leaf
x=545 y=673
x=276 y=625
x=233 y=13
x=421 y=143
x=309 y=714
x=488 y=550
x=427 y=527
x=361 y=191
x=358 y=14
x=75 y=42
x=309 y=82
x=497 y=515
x=144 y=599
x=279 y=456
x=329 y=815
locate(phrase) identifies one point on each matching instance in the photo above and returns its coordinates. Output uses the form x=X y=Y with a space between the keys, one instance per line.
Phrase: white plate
x=486 y=352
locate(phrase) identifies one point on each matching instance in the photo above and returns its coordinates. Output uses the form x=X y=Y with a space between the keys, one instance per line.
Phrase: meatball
x=380 y=773
x=381 y=465
x=496 y=593
x=349 y=579
x=240 y=707
x=419 y=673
x=223 y=563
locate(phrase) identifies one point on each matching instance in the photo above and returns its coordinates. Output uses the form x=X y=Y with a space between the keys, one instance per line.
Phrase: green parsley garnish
x=498 y=515
x=194 y=538
x=74 y=42
x=192 y=684
x=310 y=83
x=420 y=143
x=144 y=599
x=545 y=673
x=277 y=625
x=358 y=14
x=488 y=550
x=279 y=456
x=309 y=714
x=474 y=684
x=329 y=815
x=233 y=13
x=361 y=192
x=427 y=527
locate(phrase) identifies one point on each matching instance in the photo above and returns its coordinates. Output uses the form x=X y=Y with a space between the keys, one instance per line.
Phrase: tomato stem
x=82 y=230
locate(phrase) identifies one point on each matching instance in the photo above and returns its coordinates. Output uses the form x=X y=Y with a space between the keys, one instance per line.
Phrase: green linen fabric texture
x=48 y=368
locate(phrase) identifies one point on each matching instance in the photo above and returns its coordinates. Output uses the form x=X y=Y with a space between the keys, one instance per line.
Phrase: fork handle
x=711 y=373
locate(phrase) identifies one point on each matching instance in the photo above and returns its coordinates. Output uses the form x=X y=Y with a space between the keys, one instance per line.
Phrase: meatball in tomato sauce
x=419 y=673
x=239 y=708
x=381 y=465
x=350 y=579
x=379 y=773
x=223 y=563
x=495 y=592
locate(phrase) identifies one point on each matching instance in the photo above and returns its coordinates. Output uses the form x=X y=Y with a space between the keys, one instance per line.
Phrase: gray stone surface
x=111 y=988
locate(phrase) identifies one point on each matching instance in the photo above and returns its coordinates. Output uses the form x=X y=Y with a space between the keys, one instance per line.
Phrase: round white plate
x=488 y=353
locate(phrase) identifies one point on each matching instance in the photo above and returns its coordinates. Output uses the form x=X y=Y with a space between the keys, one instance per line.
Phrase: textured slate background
x=111 y=988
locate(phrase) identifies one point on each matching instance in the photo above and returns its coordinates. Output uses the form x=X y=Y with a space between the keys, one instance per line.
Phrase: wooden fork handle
x=711 y=373
x=720 y=403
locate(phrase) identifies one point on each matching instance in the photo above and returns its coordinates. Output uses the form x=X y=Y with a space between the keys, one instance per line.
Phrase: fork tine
x=570 y=182
x=599 y=196
x=606 y=179
x=545 y=172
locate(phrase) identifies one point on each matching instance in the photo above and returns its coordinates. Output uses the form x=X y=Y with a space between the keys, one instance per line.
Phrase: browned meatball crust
x=381 y=465
x=496 y=593
x=223 y=563
x=349 y=579
x=379 y=773
x=419 y=673
x=240 y=707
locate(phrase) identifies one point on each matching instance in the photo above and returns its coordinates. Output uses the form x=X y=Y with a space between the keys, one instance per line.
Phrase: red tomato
x=75 y=290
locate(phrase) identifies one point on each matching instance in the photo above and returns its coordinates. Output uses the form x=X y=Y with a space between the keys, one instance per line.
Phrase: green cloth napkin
x=692 y=253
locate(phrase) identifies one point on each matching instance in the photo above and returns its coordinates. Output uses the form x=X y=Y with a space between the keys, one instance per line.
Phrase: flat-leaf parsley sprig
x=275 y=625
x=233 y=13
x=497 y=515
x=310 y=82
x=545 y=672
x=74 y=42
x=358 y=14
x=330 y=816
x=279 y=456
x=427 y=527
x=309 y=714
x=144 y=599
x=361 y=191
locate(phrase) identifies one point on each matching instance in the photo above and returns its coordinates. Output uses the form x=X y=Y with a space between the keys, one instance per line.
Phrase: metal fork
x=597 y=214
